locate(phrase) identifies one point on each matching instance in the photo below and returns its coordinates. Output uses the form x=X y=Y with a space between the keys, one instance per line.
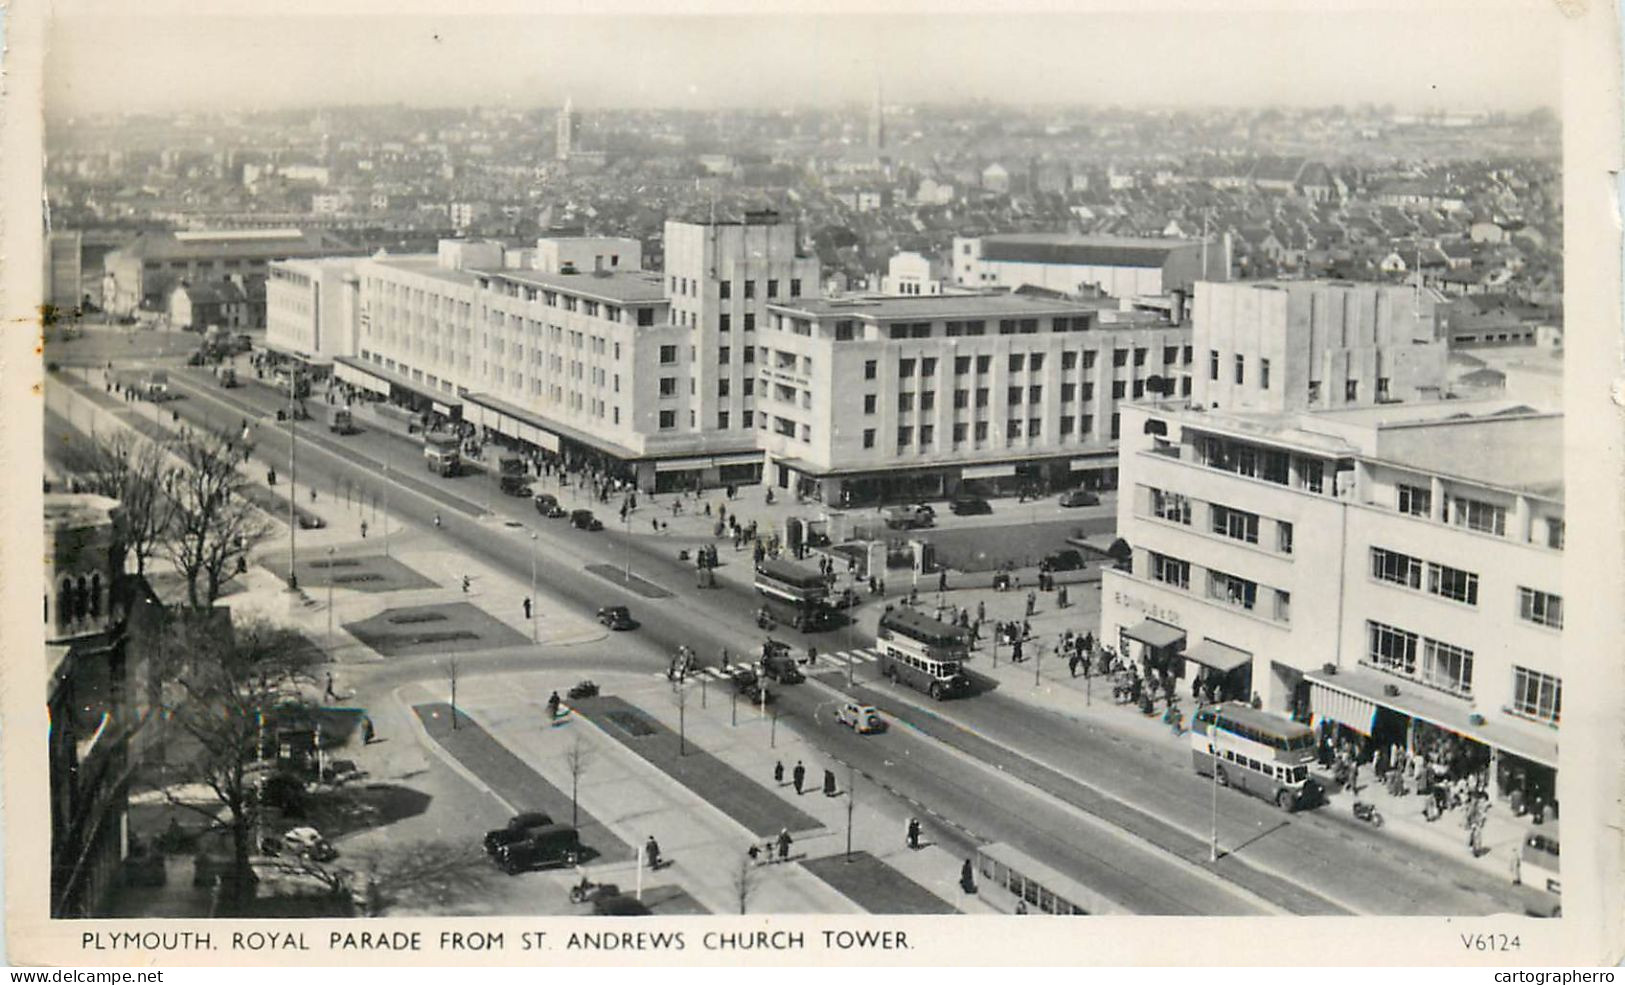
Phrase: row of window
x=1070 y=393
x=725 y=288
x=1443 y=665
x=1434 y=578
x=1221 y=586
x=1222 y=520
x=1464 y=511
x=1016 y=362
x=924 y=436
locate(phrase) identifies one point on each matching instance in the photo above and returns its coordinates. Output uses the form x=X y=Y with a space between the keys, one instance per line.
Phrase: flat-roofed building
x=1395 y=570
x=1121 y=266
x=311 y=310
x=870 y=398
x=141 y=273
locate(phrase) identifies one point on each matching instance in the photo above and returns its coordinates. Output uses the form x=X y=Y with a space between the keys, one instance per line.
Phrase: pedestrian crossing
x=825 y=661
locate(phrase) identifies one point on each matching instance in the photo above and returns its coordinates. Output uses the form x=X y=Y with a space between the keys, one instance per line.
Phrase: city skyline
x=107 y=63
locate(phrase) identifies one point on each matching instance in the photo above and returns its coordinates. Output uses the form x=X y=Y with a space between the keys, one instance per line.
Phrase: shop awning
x=1362 y=687
x=987 y=471
x=681 y=464
x=1155 y=634
x=352 y=370
x=355 y=376
x=1340 y=706
x=1098 y=461
x=1220 y=657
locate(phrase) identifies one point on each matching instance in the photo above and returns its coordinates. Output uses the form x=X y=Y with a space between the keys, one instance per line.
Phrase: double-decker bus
x=796 y=593
x=924 y=653
x=1037 y=886
x=1262 y=754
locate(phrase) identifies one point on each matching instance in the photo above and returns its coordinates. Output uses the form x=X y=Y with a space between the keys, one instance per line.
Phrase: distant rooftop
x=65 y=511
x=945 y=306
x=1070 y=248
x=250 y=243
x=625 y=287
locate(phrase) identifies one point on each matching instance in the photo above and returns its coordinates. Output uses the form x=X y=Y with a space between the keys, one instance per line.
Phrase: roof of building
x=628 y=287
x=64 y=511
x=247 y=243
x=213 y=292
x=1069 y=248
x=878 y=306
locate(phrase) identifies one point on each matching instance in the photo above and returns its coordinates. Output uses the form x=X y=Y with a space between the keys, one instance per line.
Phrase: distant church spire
x=566 y=131
x=877 y=122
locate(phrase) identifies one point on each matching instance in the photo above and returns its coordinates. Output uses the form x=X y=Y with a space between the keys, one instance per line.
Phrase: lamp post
x=1213 y=842
x=388 y=454
x=293 y=482
x=330 y=551
x=533 y=606
x=851 y=804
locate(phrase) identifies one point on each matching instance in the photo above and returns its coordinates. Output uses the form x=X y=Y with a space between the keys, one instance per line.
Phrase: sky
x=100 y=58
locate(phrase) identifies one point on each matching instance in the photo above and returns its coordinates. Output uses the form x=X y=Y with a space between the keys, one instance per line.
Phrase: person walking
x=829 y=783
x=1032 y=602
x=1072 y=664
x=913 y=834
x=527 y=606
x=466 y=583
x=784 y=844
x=967 y=878
x=778 y=773
x=329 y=693
x=367 y=732
x=798 y=776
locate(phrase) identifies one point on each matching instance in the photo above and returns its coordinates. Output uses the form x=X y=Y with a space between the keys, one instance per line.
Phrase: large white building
x=868 y=398
x=1121 y=266
x=311 y=309
x=1396 y=569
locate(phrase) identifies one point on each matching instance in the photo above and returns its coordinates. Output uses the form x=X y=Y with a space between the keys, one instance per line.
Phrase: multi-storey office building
x=645 y=373
x=141 y=273
x=1312 y=345
x=311 y=309
x=866 y=398
x=1395 y=569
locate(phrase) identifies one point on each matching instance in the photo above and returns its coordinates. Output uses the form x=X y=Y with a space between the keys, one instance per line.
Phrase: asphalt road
x=964 y=772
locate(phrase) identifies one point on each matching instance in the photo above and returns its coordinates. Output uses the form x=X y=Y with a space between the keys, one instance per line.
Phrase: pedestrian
x=913 y=833
x=1015 y=652
x=981 y=612
x=465 y=584
x=1354 y=776
x=1032 y=602
x=363 y=530
x=784 y=844
x=942 y=576
x=527 y=607
x=829 y=783
x=798 y=776
x=329 y=692
x=778 y=773
x=1072 y=664
x=313 y=494
x=367 y=733
x=1061 y=598
x=967 y=878
x=726 y=659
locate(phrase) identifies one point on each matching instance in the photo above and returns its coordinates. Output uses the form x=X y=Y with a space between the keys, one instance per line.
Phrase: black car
x=616 y=617
x=519 y=827
x=547 y=505
x=553 y=845
x=1079 y=497
x=970 y=506
x=584 y=520
x=1067 y=560
x=620 y=905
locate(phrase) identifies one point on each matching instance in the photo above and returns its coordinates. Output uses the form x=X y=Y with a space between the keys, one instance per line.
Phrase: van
x=554 y=844
x=907 y=517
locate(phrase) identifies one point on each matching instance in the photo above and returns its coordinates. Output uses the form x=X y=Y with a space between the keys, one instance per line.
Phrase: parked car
x=515 y=485
x=1079 y=497
x=749 y=685
x=553 y=845
x=907 y=517
x=780 y=665
x=862 y=719
x=307 y=842
x=616 y=617
x=584 y=520
x=849 y=598
x=1067 y=560
x=518 y=828
x=970 y=506
x=547 y=505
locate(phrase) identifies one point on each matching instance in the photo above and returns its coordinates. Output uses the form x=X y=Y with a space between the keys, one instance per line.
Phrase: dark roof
x=265 y=244
x=213 y=292
x=1097 y=251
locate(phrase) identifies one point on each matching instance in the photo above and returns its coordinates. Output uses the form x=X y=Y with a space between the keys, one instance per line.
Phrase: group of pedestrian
x=782 y=844
x=798 y=778
x=1080 y=651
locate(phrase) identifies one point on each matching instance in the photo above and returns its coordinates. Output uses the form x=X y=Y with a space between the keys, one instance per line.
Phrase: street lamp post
x=1038 y=660
x=387 y=456
x=330 y=551
x=533 y=606
x=293 y=483
x=851 y=804
x=1213 y=843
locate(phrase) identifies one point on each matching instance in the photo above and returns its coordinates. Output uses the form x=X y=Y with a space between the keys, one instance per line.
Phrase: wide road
x=1354 y=867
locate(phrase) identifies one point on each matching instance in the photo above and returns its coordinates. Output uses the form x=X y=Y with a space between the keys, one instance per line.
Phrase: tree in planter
x=576 y=760
x=213 y=526
x=131 y=470
x=225 y=688
x=744 y=882
x=452 y=669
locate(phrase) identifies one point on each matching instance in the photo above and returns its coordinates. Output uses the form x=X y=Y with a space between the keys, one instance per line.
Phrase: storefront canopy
x=1361 y=688
x=987 y=471
x=379 y=380
x=1158 y=635
x=1222 y=658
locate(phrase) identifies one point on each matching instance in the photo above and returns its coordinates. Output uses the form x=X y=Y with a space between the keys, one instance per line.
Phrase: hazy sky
x=171 y=57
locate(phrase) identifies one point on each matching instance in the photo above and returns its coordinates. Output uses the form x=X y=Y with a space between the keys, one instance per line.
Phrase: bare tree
x=227 y=690
x=213 y=526
x=452 y=669
x=131 y=470
x=431 y=875
x=576 y=759
x=744 y=882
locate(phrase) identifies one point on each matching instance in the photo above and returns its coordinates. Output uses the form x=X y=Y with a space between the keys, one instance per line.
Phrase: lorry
x=443 y=454
x=512 y=476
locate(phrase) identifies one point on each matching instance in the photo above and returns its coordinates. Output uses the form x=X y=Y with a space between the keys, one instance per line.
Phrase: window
x=905 y=368
x=1017 y=360
x=905 y=436
x=1035 y=361
x=1012 y=429
x=750 y=322
x=1400 y=569
x=1382 y=388
x=750 y=288
x=1235 y=524
x=1283 y=536
x=668 y=386
x=1088 y=392
x=750 y=353
x=772 y=288
x=1391 y=649
x=1139 y=389
x=795 y=287
x=961 y=399
x=724 y=322
x=1228 y=588
x=1119 y=389
x=1171 y=506
x=928 y=433
x=1537 y=695
x=928 y=366
x=1311 y=474
x=1035 y=427
x=1241 y=370
x=750 y=382
x=1486 y=518
x=1415 y=500
x=959 y=432
x=961 y=365
x=1035 y=394
x=1351 y=390
x=725 y=289
x=1449 y=668
x=724 y=355
x=1069 y=392
x=981 y=431
x=1117 y=429
x=1170 y=355
x=1283 y=606
x=869 y=369
x=844 y=330
x=1119 y=357
x=1069 y=424
x=1007 y=326
x=868 y=437
x=905 y=401
x=668 y=355
x=1086 y=423
x=1139 y=357
x=1452 y=583
x=1170 y=571
x=981 y=396
x=722 y=420
x=928 y=400
x=1554 y=534
x=1540 y=608
x=1012 y=395
x=1263 y=374
x=1213 y=364
x=668 y=420
x=724 y=386
x=868 y=403
x=1314 y=392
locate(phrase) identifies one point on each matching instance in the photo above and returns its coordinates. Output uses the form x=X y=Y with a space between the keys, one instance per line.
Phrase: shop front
x=1152 y=645
x=1391 y=721
x=1222 y=672
x=434 y=407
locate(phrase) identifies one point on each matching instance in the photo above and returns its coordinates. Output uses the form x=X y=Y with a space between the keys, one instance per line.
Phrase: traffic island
x=758 y=810
x=512 y=780
x=618 y=576
x=456 y=627
x=372 y=573
x=874 y=885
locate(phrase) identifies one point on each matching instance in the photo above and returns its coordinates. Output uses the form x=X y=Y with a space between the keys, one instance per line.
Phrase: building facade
x=1301 y=345
x=311 y=310
x=1394 y=570
x=142 y=273
x=1121 y=266
x=867 y=398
